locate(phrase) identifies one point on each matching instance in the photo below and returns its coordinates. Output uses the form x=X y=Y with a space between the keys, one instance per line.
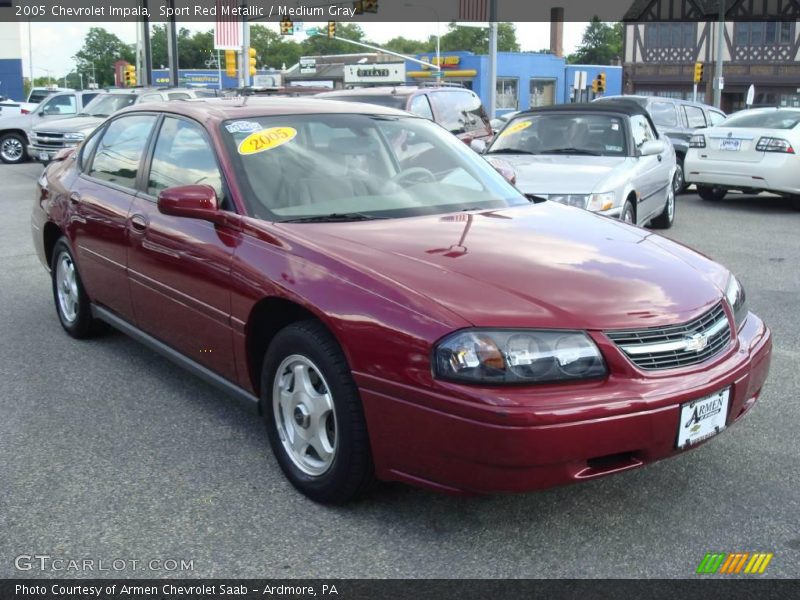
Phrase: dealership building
x=11 y=61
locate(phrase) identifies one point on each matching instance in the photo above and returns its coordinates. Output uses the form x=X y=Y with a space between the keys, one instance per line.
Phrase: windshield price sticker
x=516 y=128
x=266 y=139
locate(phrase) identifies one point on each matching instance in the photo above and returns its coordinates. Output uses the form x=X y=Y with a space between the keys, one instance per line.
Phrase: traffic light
x=594 y=85
x=129 y=75
x=698 y=72
x=287 y=27
x=358 y=7
x=331 y=29
x=230 y=63
x=601 y=82
x=251 y=61
x=370 y=6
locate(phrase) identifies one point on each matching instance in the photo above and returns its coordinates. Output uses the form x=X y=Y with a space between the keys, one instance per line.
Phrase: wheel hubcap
x=304 y=415
x=628 y=216
x=67 y=288
x=11 y=149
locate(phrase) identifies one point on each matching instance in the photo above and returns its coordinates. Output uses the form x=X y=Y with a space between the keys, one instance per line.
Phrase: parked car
x=606 y=158
x=9 y=108
x=753 y=151
x=47 y=139
x=457 y=109
x=678 y=119
x=413 y=319
x=14 y=131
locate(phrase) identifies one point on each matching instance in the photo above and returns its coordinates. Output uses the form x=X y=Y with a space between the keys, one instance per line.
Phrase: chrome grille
x=675 y=346
x=48 y=140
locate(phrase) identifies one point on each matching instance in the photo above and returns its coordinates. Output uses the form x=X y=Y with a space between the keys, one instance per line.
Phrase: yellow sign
x=515 y=128
x=446 y=62
x=266 y=139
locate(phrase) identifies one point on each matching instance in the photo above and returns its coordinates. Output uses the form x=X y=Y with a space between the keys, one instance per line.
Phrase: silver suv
x=47 y=139
x=14 y=131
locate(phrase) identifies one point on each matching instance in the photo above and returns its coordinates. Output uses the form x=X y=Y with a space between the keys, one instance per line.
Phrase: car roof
x=242 y=107
x=635 y=97
x=625 y=107
x=388 y=90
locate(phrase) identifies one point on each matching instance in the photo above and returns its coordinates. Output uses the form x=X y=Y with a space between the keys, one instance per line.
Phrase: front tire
x=12 y=148
x=711 y=193
x=627 y=214
x=314 y=415
x=667 y=216
x=679 y=180
x=72 y=303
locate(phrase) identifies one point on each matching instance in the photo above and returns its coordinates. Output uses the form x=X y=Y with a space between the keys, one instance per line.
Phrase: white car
x=9 y=108
x=751 y=151
x=606 y=158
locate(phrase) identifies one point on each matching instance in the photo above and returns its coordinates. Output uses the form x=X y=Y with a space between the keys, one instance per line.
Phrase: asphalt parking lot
x=108 y=451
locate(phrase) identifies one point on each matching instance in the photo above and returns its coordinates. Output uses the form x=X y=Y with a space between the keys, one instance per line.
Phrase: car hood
x=541 y=265
x=561 y=174
x=70 y=124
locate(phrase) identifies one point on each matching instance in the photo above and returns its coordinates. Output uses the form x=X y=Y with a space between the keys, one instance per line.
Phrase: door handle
x=74 y=198
x=139 y=223
x=659 y=158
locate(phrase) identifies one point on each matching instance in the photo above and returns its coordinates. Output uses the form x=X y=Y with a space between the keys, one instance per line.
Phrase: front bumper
x=45 y=154
x=516 y=439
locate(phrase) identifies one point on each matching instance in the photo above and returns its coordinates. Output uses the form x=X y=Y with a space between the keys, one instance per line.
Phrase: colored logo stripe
x=723 y=563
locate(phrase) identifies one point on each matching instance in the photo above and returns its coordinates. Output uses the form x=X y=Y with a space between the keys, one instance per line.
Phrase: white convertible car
x=751 y=151
x=606 y=158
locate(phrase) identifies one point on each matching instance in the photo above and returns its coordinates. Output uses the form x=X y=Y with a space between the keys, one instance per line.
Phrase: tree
x=272 y=49
x=476 y=39
x=320 y=45
x=101 y=49
x=601 y=44
x=410 y=47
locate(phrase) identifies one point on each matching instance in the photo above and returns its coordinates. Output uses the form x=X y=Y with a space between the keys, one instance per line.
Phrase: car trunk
x=738 y=143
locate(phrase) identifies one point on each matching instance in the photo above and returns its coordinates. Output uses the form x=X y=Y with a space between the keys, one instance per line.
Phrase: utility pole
x=147 y=75
x=718 y=68
x=172 y=47
x=492 y=57
x=244 y=57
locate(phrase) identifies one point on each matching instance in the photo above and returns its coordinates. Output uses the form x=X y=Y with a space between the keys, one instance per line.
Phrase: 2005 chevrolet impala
x=394 y=308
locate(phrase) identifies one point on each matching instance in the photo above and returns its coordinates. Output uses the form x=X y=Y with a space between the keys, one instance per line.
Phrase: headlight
x=74 y=136
x=734 y=293
x=578 y=200
x=517 y=356
x=598 y=202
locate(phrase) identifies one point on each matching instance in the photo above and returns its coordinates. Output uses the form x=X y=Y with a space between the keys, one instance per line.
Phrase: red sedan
x=391 y=305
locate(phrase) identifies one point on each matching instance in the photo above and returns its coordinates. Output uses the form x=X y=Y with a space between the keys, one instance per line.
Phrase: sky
x=55 y=59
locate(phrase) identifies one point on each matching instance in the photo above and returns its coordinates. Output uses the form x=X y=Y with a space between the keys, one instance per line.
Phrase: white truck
x=10 y=108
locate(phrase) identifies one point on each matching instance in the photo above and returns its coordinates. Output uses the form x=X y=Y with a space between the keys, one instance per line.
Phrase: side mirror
x=478 y=145
x=652 y=147
x=190 y=201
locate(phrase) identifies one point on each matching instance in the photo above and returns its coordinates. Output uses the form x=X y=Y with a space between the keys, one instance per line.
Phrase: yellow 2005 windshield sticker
x=516 y=128
x=266 y=139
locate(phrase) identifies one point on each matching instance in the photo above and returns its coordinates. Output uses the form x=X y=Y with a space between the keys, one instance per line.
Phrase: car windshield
x=108 y=104
x=770 y=119
x=354 y=167
x=562 y=133
x=388 y=100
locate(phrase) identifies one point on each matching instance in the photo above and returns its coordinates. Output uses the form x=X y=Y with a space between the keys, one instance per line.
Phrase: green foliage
x=476 y=39
x=601 y=44
x=410 y=47
x=102 y=49
x=272 y=49
x=194 y=49
x=322 y=45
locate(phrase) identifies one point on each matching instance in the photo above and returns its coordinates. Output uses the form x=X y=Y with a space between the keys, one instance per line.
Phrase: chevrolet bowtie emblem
x=696 y=342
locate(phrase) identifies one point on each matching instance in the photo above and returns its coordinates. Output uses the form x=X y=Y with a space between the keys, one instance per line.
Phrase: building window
x=543 y=92
x=670 y=35
x=507 y=96
x=763 y=33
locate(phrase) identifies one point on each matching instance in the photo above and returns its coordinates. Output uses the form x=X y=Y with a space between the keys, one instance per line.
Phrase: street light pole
x=492 y=58
x=718 y=68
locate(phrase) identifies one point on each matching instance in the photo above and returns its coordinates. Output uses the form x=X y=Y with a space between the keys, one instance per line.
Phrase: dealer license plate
x=703 y=418
x=729 y=144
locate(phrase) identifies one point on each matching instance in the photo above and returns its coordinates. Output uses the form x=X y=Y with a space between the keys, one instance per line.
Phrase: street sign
x=312 y=31
x=719 y=83
x=751 y=95
x=308 y=66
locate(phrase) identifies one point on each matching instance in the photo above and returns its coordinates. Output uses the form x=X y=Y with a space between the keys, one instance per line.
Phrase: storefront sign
x=308 y=66
x=375 y=73
x=447 y=62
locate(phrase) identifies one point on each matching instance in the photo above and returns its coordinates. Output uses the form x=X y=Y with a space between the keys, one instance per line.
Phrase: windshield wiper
x=571 y=151
x=510 y=151
x=332 y=218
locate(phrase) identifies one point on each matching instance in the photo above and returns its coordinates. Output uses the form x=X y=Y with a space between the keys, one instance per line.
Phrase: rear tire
x=667 y=217
x=314 y=415
x=12 y=148
x=711 y=193
x=72 y=304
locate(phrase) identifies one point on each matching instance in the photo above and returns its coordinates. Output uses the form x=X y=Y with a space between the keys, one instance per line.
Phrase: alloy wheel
x=11 y=150
x=304 y=415
x=67 y=288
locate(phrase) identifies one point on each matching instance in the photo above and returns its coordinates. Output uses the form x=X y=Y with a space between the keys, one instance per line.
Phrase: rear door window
x=694 y=116
x=119 y=152
x=459 y=111
x=716 y=117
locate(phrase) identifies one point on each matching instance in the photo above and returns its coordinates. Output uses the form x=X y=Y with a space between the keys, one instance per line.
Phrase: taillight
x=698 y=140
x=771 y=144
x=24 y=111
